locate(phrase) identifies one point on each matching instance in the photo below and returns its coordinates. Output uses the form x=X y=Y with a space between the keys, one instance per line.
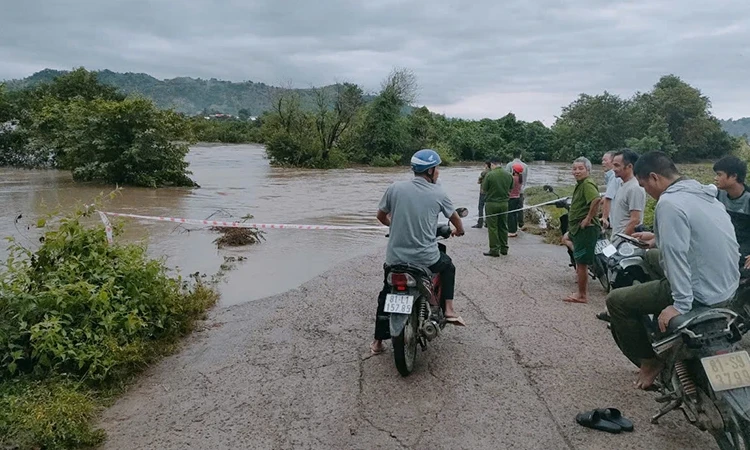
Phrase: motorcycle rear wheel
x=405 y=346
x=737 y=437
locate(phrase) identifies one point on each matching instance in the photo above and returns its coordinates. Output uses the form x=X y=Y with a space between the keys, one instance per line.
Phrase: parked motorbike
x=625 y=263
x=741 y=304
x=415 y=306
x=599 y=270
x=706 y=374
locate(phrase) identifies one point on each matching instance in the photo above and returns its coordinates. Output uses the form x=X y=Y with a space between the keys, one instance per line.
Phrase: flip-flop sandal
x=574 y=300
x=376 y=352
x=456 y=321
x=615 y=416
x=594 y=420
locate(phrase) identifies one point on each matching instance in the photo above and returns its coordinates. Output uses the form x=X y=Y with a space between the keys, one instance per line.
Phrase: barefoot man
x=584 y=226
x=695 y=264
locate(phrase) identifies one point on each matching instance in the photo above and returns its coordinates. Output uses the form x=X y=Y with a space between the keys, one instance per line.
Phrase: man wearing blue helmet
x=410 y=208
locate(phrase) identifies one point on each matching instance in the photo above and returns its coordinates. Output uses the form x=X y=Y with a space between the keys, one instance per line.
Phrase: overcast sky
x=479 y=58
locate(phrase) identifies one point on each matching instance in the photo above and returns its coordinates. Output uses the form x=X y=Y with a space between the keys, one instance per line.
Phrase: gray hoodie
x=699 y=250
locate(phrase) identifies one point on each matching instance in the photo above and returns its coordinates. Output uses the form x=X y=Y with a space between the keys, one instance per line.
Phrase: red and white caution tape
x=521 y=209
x=107 y=226
x=219 y=223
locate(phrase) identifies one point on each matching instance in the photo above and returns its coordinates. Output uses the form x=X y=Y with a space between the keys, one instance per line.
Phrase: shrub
x=79 y=314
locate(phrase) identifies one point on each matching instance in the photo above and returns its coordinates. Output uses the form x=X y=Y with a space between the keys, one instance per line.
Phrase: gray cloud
x=472 y=59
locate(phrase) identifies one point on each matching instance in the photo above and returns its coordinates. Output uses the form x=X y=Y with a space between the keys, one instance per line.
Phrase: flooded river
x=237 y=180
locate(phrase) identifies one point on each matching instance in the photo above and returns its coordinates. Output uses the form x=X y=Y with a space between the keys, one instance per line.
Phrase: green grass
x=535 y=195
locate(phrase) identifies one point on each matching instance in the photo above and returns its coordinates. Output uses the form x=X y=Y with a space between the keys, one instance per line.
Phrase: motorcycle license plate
x=730 y=371
x=399 y=304
x=609 y=250
x=600 y=245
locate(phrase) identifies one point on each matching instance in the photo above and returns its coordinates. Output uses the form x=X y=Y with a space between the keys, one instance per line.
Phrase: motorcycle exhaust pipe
x=430 y=329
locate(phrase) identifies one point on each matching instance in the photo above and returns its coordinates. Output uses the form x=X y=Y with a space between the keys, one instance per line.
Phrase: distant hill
x=737 y=127
x=185 y=94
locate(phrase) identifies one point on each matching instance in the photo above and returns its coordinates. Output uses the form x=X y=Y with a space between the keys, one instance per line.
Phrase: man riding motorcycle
x=410 y=208
x=698 y=253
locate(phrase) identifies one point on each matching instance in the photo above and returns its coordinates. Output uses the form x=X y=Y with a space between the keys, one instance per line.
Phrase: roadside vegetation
x=78 y=319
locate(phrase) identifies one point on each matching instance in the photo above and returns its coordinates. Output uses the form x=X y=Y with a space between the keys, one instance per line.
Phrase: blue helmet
x=424 y=160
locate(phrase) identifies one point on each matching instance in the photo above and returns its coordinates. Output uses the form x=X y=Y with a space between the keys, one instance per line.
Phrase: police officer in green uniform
x=496 y=186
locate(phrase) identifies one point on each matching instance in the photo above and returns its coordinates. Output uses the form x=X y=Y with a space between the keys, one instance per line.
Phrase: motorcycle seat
x=415 y=270
x=699 y=314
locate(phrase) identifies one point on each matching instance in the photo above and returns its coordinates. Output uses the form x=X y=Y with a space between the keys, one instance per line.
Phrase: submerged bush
x=80 y=309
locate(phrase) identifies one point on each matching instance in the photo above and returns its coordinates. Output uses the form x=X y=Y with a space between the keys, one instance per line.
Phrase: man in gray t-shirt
x=630 y=200
x=414 y=206
x=411 y=208
x=612 y=182
x=734 y=194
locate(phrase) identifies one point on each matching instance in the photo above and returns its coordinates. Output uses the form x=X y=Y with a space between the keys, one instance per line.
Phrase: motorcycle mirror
x=462 y=212
x=548 y=188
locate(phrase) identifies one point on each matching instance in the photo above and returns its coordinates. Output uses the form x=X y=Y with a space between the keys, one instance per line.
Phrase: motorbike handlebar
x=444 y=231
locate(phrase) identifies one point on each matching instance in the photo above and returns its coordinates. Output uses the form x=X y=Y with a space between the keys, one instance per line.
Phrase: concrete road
x=295 y=371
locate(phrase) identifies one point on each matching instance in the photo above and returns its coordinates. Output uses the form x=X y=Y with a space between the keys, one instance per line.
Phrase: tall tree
x=384 y=131
x=332 y=122
x=591 y=126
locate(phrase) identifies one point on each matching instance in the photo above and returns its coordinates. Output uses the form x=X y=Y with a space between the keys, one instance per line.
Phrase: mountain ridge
x=186 y=94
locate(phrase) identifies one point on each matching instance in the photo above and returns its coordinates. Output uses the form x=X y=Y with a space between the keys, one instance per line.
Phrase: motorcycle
x=625 y=263
x=599 y=270
x=706 y=374
x=415 y=306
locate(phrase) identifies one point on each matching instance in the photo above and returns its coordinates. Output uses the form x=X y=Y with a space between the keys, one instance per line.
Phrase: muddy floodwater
x=237 y=180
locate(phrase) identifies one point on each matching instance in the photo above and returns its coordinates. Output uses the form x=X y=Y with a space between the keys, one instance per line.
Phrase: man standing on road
x=613 y=182
x=734 y=194
x=698 y=255
x=628 y=205
x=482 y=196
x=497 y=186
x=525 y=176
x=583 y=230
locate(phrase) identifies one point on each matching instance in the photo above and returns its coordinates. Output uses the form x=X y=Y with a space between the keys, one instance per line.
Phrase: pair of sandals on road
x=609 y=420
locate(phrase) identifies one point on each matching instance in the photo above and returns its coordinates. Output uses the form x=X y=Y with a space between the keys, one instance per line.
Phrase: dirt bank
x=294 y=370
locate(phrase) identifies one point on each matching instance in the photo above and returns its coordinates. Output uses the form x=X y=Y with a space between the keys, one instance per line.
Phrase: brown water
x=237 y=180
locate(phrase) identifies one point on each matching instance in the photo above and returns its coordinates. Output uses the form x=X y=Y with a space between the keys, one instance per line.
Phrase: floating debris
x=237 y=237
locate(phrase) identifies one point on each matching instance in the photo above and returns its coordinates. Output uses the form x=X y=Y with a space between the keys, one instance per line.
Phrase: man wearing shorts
x=584 y=227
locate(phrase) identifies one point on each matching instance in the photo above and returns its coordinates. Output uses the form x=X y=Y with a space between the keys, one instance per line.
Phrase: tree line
x=673 y=117
x=75 y=122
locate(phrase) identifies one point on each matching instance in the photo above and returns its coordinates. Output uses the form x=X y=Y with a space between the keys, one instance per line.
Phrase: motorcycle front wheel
x=405 y=345
x=604 y=281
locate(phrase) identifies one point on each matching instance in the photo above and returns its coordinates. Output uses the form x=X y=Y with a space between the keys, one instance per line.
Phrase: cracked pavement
x=294 y=370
